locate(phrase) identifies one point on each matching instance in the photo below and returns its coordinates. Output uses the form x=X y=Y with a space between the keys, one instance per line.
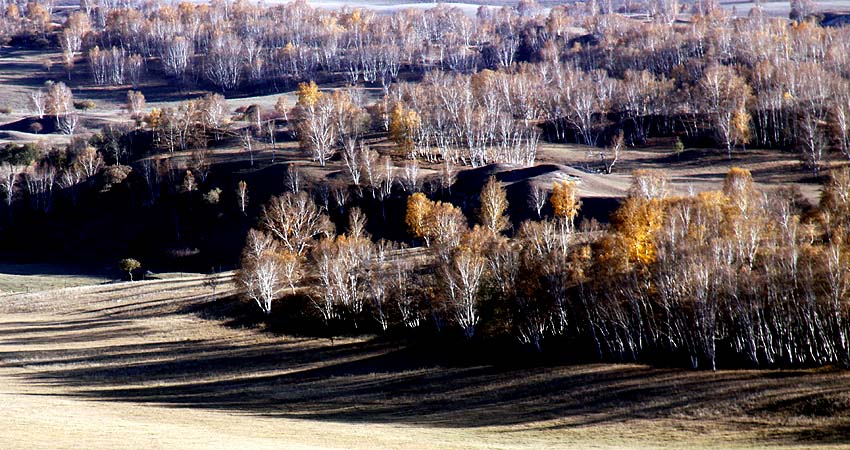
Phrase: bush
x=84 y=104
x=5 y=110
x=213 y=196
x=18 y=154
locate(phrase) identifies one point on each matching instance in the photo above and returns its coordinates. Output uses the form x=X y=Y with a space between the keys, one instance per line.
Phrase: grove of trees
x=485 y=86
x=738 y=276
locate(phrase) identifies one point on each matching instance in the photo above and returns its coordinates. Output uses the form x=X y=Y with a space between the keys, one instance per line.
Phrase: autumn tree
x=223 y=62
x=341 y=265
x=726 y=95
x=77 y=25
x=565 y=202
x=135 y=103
x=494 y=206
x=464 y=276
x=176 y=55
x=308 y=94
x=59 y=102
x=418 y=210
x=262 y=269
x=403 y=126
x=614 y=150
x=445 y=226
x=295 y=220
x=641 y=216
x=37 y=102
x=89 y=161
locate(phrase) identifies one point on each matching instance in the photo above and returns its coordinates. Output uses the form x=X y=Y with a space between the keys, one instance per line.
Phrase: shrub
x=17 y=154
x=84 y=104
x=213 y=196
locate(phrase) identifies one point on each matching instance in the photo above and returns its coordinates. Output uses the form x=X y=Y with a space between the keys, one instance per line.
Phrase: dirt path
x=154 y=365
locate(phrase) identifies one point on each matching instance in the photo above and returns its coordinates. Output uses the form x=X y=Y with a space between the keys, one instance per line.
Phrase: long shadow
x=52 y=328
x=382 y=381
x=375 y=381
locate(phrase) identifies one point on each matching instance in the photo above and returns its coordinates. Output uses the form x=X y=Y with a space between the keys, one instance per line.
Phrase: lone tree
x=129 y=265
x=565 y=202
x=494 y=204
x=418 y=208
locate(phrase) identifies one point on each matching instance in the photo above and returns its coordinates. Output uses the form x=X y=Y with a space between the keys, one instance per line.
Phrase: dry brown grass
x=142 y=364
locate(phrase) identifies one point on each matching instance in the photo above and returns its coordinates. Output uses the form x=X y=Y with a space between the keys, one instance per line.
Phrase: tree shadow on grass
x=378 y=380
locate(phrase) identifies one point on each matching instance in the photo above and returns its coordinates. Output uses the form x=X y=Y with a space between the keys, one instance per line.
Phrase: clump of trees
x=736 y=277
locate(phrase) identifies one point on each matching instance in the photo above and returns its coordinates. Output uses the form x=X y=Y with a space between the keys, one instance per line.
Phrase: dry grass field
x=24 y=278
x=158 y=364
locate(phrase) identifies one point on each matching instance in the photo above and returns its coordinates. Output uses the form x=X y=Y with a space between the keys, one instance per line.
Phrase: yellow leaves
x=328 y=22
x=189 y=184
x=800 y=26
x=403 y=125
x=442 y=223
x=356 y=18
x=418 y=208
x=343 y=103
x=186 y=9
x=37 y=13
x=741 y=120
x=445 y=223
x=739 y=190
x=641 y=216
x=564 y=200
x=308 y=94
x=288 y=257
x=13 y=11
x=712 y=200
x=637 y=221
x=576 y=48
x=281 y=106
x=154 y=119
x=479 y=240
